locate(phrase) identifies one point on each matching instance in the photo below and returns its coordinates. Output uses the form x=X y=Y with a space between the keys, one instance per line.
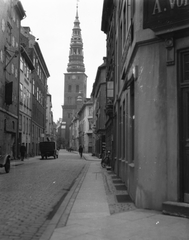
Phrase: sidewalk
x=86 y=215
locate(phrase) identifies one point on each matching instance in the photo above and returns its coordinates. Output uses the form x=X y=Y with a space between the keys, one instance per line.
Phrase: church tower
x=75 y=80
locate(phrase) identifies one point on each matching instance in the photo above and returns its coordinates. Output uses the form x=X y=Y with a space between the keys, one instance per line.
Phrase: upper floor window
x=12 y=68
x=16 y=73
x=69 y=115
x=90 y=124
x=69 y=100
x=3 y=25
x=37 y=93
x=33 y=86
x=69 y=88
x=9 y=33
x=13 y=15
x=90 y=111
x=34 y=60
x=20 y=122
x=1 y=56
x=38 y=70
x=21 y=92
x=77 y=88
x=21 y=64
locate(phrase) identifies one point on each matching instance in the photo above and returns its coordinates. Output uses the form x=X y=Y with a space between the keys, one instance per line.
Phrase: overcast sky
x=52 y=22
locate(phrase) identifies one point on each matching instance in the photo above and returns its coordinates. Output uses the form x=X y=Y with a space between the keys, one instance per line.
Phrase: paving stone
x=112 y=191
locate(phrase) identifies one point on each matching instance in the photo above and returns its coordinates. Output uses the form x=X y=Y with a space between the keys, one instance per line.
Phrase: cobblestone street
x=32 y=192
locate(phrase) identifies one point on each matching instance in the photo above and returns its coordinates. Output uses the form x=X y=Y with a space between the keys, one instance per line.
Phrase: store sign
x=162 y=15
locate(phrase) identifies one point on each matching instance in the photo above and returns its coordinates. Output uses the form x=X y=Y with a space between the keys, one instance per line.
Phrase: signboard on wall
x=165 y=15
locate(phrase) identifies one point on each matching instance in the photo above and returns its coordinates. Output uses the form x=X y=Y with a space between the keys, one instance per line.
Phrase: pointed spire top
x=77 y=9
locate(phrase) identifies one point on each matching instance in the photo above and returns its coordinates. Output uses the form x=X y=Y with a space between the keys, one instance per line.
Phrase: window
x=38 y=70
x=27 y=125
x=37 y=93
x=77 y=88
x=27 y=73
x=25 y=68
x=9 y=33
x=69 y=88
x=34 y=60
x=90 y=124
x=17 y=23
x=110 y=89
x=12 y=68
x=28 y=98
x=90 y=111
x=123 y=142
x=16 y=73
x=20 y=122
x=1 y=56
x=21 y=64
x=3 y=25
x=132 y=119
x=13 y=15
x=40 y=73
x=69 y=100
x=33 y=86
x=13 y=41
x=69 y=115
x=21 y=93
x=23 y=126
x=24 y=96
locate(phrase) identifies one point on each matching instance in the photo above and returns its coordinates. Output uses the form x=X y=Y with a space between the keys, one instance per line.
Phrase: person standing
x=22 y=151
x=81 y=151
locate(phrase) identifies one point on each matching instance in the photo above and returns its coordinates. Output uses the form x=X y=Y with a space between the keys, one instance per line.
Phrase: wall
x=151 y=124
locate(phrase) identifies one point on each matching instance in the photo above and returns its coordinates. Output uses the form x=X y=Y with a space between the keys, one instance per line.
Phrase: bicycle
x=106 y=160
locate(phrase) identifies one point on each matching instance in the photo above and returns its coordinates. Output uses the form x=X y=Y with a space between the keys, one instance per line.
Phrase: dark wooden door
x=184 y=123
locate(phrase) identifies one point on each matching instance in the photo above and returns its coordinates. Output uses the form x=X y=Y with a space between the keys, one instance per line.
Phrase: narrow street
x=32 y=192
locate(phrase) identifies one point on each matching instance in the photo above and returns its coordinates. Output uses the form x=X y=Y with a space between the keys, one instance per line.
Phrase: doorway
x=183 y=70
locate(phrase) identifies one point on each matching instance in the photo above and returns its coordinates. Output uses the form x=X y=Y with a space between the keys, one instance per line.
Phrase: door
x=184 y=123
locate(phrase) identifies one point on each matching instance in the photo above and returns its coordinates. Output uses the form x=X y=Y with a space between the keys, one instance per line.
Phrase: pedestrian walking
x=22 y=151
x=81 y=151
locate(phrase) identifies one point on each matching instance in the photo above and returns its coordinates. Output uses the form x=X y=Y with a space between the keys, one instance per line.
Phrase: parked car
x=5 y=162
x=48 y=149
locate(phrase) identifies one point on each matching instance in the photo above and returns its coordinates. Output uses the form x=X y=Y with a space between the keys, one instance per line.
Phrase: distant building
x=85 y=116
x=38 y=91
x=49 y=132
x=75 y=80
x=98 y=96
x=25 y=97
x=60 y=133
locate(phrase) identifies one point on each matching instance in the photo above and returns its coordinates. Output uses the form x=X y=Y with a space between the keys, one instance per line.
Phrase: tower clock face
x=73 y=77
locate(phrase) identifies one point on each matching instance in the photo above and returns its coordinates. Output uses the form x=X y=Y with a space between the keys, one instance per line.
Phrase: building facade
x=25 y=101
x=75 y=80
x=85 y=116
x=11 y=14
x=150 y=81
x=98 y=96
x=39 y=78
x=49 y=131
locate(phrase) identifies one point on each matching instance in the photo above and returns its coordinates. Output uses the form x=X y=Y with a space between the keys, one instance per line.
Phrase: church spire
x=76 y=48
